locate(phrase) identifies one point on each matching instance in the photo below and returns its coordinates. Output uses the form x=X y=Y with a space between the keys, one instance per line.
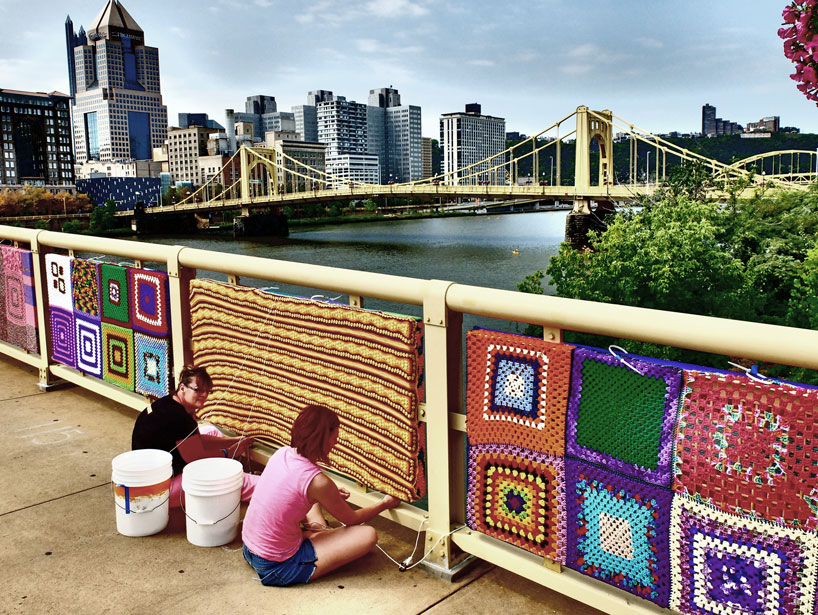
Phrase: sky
x=654 y=63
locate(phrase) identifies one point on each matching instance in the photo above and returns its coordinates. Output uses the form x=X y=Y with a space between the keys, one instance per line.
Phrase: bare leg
x=341 y=546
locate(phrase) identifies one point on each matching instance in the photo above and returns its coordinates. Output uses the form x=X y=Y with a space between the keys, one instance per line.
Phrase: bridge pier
x=260 y=224
x=584 y=218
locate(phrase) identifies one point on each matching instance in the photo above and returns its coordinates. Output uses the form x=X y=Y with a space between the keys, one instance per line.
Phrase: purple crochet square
x=617 y=530
x=725 y=563
x=621 y=418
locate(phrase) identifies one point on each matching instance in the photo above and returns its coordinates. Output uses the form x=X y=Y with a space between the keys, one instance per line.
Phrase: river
x=476 y=250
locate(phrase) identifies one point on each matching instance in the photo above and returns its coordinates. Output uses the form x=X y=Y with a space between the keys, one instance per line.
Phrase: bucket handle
x=127 y=507
x=182 y=504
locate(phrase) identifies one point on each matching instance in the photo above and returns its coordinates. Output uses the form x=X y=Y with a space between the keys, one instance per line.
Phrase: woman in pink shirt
x=285 y=536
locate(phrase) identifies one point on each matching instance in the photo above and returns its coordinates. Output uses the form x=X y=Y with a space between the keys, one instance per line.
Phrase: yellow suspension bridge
x=257 y=177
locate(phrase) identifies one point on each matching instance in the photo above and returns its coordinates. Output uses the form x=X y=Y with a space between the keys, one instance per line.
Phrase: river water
x=476 y=250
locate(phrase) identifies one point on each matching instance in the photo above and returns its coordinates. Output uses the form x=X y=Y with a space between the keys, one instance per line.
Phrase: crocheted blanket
x=690 y=489
x=19 y=327
x=271 y=355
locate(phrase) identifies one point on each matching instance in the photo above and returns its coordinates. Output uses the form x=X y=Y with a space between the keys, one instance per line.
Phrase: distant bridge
x=258 y=177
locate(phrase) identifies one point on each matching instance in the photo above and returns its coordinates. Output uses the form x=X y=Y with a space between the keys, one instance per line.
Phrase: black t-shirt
x=166 y=424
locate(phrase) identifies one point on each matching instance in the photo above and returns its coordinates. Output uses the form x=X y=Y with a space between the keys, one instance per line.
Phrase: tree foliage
x=755 y=260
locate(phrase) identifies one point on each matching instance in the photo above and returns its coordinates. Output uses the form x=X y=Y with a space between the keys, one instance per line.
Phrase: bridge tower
x=590 y=127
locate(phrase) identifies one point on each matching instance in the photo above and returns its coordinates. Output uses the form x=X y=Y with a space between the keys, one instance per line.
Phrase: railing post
x=40 y=299
x=179 y=294
x=446 y=474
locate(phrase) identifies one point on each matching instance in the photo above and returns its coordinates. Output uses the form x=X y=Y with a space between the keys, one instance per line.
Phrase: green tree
x=371 y=205
x=102 y=218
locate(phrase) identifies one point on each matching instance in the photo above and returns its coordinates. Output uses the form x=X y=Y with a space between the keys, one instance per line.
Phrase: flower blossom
x=800 y=34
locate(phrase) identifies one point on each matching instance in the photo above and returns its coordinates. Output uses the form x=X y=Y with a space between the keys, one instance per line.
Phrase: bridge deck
x=61 y=551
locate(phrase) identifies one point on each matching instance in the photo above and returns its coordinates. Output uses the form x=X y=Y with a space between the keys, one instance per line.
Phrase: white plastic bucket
x=212 y=489
x=141 y=483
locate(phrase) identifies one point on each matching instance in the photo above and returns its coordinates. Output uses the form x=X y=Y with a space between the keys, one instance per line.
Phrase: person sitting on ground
x=169 y=424
x=286 y=539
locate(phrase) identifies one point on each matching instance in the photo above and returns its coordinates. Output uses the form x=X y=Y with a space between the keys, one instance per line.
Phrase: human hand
x=343 y=492
x=389 y=501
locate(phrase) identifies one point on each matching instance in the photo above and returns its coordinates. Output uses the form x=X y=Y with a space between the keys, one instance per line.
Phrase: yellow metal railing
x=443 y=304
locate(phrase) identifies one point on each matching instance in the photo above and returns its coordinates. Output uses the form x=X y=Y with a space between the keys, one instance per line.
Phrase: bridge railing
x=443 y=306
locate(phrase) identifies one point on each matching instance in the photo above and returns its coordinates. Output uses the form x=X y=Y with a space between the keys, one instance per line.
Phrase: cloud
x=263 y=3
x=367 y=45
x=575 y=69
x=650 y=43
x=180 y=32
x=583 y=51
x=396 y=8
x=482 y=62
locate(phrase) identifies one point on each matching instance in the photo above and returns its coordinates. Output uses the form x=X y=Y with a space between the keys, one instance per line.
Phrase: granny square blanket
x=149 y=301
x=85 y=288
x=63 y=336
x=271 y=355
x=724 y=563
x=750 y=448
x=113 y=293
x=118 y=356
x=89 y=344
x=517 y=390
x=58 y=281
x=152 y=365
x=618 y=530
x=517 y=496
x=622 y=419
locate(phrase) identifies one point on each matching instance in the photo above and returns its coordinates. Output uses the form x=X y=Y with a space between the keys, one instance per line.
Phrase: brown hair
x=190 y=373
x=311 y=432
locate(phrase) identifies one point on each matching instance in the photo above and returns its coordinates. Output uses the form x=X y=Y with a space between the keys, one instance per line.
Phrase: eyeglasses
x=195 y=389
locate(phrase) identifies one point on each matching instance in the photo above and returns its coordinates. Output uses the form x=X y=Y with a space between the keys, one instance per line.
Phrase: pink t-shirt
x=271 y=527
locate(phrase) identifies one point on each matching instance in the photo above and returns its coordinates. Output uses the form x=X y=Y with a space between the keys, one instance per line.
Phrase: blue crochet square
x=152 y=365
x=515 y=387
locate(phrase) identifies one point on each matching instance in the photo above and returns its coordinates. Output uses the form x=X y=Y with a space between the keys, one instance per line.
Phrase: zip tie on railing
x=752 y=374
x=623 y=361
x=325 y=298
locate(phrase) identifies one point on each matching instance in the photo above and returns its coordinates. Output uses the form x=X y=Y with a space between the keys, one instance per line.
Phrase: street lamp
x=64 y=211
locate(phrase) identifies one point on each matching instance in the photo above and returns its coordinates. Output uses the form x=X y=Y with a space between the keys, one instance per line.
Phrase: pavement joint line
x=465 y=585
x=20 y=397
x=59 y=497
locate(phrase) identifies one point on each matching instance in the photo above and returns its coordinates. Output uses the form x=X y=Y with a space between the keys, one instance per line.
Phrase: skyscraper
x=35 y=133
x=393 y=132
x=708 y=120
x=468 y=138
x=118 y=111
x=342 y=125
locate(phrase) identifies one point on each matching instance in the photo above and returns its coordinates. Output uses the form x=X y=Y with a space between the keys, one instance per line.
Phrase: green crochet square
x=114 y=294
x=621 y=413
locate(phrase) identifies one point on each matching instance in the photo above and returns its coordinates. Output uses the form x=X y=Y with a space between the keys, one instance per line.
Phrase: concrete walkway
x=61 y=552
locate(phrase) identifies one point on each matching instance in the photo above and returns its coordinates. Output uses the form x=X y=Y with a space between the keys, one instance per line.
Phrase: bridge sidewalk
x=61 y=551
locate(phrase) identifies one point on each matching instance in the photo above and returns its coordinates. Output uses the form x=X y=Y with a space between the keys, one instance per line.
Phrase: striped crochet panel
x=618 y=530
x=750 y=448
x=725 y=563
x=517 y=390
x=114 y=295
x=623 y=419
x=271 y=355
x=19 y=327
x=118 y=356
x=517 y=496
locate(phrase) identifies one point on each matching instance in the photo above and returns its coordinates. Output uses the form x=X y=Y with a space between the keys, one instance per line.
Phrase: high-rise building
x=306 y=122
x=426 y=157
x=765 y=124
x=118 y=111
x=186 y=120
x=708 y=120
x=35 y=132
x=342 y=125
x=393 y=133
x=469 y=138
x=185 y=147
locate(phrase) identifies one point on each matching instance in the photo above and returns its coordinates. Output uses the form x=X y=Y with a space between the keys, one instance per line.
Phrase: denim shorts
x=298 y=568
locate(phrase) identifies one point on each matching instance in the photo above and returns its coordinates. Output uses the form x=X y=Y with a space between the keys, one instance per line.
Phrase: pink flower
x=789 y=14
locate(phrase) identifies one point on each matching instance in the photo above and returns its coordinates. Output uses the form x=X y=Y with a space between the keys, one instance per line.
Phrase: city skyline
x=654 y=66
